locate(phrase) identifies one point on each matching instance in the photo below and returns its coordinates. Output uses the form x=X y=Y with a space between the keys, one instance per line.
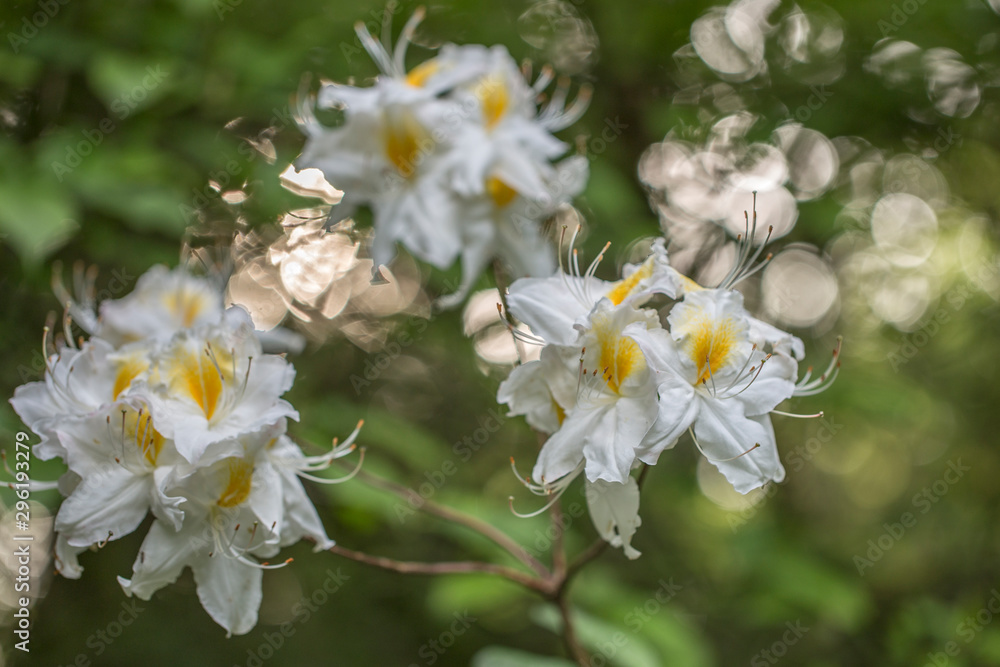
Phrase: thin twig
x=576 y=651
x=558 y=543
x=419 y=502
x=448 y=567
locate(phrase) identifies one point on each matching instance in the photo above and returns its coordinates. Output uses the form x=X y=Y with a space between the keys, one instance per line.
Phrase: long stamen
x=338 y=480
x=795 y=415
x=404 y=40
x=732 y=458
x=374 y=48
x=753 y=379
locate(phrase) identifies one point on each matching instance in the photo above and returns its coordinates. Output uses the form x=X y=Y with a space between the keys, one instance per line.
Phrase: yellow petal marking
x=623 y=288
x=238 y=485
x=143 y=433
x=196 y=376
x=405 y=138
x=494 y=99
x=709 y=344
x=620 y=356
x=560 y=413
x=185 y=306
x=128 y=369
x=501 y=193
x=418 y=75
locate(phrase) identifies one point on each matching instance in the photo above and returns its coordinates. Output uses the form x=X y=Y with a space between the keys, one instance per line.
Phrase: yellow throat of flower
x=501 y=193
x=238 y=484
x=128 y=369
x=137 y=427
x=494 y=99
x=710 y=344
x=405 y=140
x=620 y=356
x=202 y=377
x=624 y=287
x=418 y=76
x=185 y=305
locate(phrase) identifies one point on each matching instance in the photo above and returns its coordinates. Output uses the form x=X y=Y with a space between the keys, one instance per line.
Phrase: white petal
x=230 y=591
x=724 y=432
x=550 y=308
x=65 y=562
x=774 y=384
x=104 y=506
x=164 y=554
x=614 y=509
x=610 y=447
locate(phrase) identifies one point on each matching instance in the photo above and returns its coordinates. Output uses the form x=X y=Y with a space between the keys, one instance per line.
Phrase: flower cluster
x=616 y=383
x=171 y=407
x=454 y=157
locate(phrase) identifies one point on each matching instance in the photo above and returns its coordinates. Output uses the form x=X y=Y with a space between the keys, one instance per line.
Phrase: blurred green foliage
x=115 y=116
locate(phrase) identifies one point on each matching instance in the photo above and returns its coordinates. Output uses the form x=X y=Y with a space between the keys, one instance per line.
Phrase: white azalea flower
x=503 y=222
x=720 y=383
x=232 y=510
x=441 y=153
x=77 y=382
x=163 y=302
x=543 y=390
x=124 y=465
x=214 y=383
x=391 y=152
x=553 y=306
x=616 y=403
x=299 y=517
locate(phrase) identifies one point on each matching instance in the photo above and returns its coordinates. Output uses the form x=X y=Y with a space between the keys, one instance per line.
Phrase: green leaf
x=499 y=656
x=36 y=218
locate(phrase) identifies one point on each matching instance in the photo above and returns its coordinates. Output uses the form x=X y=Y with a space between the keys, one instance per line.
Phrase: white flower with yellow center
x=553 y=306
x=721 y=385
x=163 y=302
x=123 y=466
x=503 y=222
x=393 y=150
x=214 y=383
x=232 y=513
x=77 y=382
x=299 y=517
x=615 y=405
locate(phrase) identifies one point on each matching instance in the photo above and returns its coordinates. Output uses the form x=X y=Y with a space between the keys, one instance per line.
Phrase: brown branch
x=472 y=523
x=542 y=586
x=576 y=651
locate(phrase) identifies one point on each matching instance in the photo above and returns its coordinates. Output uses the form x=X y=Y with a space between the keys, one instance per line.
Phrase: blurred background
x=140 y=133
